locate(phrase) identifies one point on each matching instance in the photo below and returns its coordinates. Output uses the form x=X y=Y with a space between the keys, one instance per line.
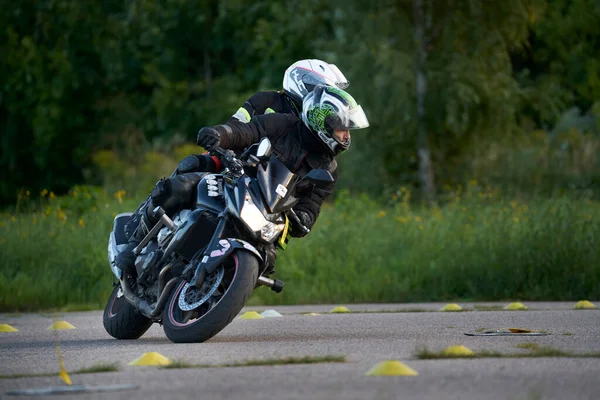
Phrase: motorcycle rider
x=302 y=144
x=298 y=80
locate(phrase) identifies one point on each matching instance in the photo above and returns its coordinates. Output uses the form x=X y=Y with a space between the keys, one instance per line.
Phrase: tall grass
x=477 y=246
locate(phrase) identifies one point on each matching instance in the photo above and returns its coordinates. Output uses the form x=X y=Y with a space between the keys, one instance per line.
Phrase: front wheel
x=194 y=315
x=121 y=319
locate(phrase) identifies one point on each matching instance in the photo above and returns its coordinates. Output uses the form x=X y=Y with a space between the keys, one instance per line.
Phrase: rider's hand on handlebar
x=299 y=222
x=208 y=137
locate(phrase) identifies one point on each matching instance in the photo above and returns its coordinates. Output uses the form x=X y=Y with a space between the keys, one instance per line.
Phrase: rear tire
x=239 y=279
x=122 y=320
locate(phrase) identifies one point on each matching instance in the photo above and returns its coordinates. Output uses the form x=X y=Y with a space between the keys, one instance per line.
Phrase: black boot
x=126 y=259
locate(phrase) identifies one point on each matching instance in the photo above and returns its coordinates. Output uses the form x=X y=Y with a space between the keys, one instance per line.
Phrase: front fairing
x=276 y=184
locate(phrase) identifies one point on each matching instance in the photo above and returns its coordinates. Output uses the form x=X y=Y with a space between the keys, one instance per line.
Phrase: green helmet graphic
x=327 y=109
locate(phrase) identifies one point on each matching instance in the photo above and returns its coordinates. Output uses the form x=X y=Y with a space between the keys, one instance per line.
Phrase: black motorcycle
x=197 y=270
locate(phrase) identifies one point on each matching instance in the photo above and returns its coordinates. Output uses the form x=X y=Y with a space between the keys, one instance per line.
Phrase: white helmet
x=326 y=109
x=302 y=76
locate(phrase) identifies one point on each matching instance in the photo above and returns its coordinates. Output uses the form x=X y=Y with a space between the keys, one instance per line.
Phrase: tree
x=422 y=20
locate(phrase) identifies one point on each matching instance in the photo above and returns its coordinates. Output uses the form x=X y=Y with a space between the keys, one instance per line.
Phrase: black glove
x=300 y=230
x=208 y=137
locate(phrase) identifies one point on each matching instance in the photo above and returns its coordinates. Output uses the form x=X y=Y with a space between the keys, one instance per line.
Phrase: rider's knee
x=175 y=192
x=190 y=163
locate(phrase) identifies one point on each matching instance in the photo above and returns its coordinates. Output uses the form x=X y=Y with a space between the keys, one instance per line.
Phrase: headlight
x=257 y=222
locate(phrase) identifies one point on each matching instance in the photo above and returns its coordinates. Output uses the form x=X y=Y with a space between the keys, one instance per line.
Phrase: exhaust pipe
x=142 y=305
x=275 y=284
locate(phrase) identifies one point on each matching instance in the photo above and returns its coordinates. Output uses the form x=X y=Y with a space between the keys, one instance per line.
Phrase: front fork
x=200 y=273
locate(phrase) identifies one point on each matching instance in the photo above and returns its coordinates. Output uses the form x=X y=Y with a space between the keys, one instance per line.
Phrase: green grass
x=262 y=362
x=476 y=247
x=535 y=351
x=109 y=367
x=528 y=346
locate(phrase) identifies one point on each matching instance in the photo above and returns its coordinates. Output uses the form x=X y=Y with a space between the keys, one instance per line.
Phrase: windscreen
x=276 y=182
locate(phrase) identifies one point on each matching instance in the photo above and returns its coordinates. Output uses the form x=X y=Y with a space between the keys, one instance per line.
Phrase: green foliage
x=478 y=246
x=78 y=78
x=100 y=99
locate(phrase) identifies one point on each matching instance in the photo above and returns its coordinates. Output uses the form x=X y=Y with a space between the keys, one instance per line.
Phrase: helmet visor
x=355 y=119
x=347 y=120
x=311 y=80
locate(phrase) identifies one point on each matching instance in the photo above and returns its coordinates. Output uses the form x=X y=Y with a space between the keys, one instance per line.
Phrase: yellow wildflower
x=80 y=222
x=381 y=214
x=119 y=196
x=51 y=195
x=43 y=193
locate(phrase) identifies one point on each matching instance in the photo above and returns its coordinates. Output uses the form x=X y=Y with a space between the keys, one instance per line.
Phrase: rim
x=215 y=287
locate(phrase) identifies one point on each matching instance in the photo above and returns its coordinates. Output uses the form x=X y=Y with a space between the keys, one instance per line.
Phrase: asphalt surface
x=364 y=338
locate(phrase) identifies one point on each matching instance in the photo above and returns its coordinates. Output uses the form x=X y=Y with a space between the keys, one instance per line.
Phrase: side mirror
x=264 y=148
x=319 y=176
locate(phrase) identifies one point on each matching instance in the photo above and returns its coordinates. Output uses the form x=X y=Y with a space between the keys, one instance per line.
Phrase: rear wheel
x=121 y=319
x=197 y=314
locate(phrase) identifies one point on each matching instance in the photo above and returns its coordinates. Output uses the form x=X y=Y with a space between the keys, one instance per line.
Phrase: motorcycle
x=197 y=270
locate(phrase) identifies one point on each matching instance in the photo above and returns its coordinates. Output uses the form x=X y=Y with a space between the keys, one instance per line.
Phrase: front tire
x=235 y=284
x=121 y=319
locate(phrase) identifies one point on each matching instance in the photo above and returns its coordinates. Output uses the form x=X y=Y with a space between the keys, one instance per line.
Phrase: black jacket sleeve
x=237 y=135
x=259 y=104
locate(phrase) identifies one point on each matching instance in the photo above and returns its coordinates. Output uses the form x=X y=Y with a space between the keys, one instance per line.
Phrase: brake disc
x=192 y=298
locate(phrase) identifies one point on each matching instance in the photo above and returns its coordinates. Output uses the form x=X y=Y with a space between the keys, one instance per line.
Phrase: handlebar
x=228 y=158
